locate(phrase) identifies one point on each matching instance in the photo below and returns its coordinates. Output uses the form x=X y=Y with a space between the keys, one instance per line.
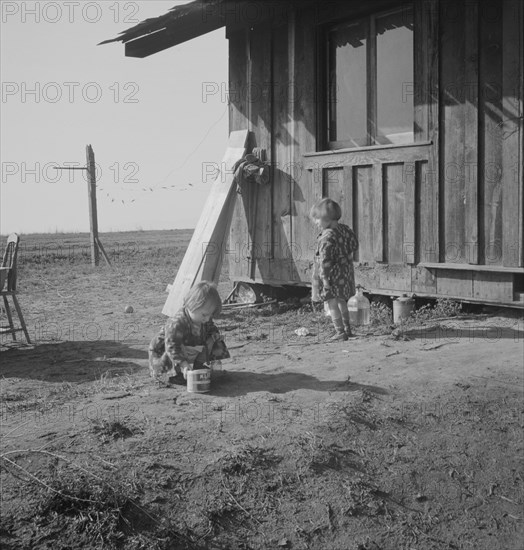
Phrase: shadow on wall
x=266 y=250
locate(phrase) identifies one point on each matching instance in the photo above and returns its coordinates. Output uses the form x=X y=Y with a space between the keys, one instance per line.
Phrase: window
x=370 y=74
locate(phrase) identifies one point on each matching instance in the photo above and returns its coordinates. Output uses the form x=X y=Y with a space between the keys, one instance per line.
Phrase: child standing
x=190 y=339
x=334 y=264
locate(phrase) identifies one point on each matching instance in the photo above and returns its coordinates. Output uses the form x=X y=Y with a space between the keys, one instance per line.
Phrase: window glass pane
x=347 y=84
x=395 y=112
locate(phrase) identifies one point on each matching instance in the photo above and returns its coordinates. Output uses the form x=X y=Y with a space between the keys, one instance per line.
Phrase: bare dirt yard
x=399 y=439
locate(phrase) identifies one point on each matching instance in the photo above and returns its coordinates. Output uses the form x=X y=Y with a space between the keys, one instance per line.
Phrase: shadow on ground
x=72 y=361
x=236 y=383
x=458 y=332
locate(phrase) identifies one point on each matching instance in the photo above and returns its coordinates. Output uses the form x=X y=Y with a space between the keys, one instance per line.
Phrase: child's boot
x=340 y=334
x=347 y=326
x=179 y=378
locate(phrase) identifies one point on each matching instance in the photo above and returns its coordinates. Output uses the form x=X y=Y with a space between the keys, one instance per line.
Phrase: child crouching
x=190 y=340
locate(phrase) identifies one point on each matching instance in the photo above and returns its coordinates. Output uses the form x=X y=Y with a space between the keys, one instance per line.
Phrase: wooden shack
x=409 y=114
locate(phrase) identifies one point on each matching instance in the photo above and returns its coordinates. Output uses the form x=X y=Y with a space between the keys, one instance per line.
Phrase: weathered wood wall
x=440 y=217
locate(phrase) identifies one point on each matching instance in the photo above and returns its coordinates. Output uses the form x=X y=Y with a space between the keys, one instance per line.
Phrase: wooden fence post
x=90 y=167
x=91 y=190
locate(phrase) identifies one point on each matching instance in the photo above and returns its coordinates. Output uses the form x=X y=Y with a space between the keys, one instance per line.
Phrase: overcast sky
x=148 y=120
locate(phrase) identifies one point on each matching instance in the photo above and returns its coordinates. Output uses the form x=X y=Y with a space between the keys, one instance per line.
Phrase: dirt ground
x=399 y=439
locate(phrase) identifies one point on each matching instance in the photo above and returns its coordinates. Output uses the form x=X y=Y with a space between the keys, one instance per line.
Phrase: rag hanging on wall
x=252 y=168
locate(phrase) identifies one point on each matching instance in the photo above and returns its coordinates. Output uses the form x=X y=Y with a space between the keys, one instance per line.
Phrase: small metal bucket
x=198 y=381
x=402 y=308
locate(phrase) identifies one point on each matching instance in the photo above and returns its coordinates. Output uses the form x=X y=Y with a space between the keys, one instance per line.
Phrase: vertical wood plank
x=453 y=91
x=512 y=134
x=334 y=187
x=471 y=145
x=323 y=180
x=238 y=120
x=321 y=87
x=409 y=177
x=421 y=71
x=291 y=127
x=393 y=198
x=318 y=181
x=491 y=133
x=355 y=198
x=372 y=83
x=305 y=109
x=378 y=213
x=421 y=168
x=348 y=184
x=282 y=267
x=279 y=143
x=259 y=212
x=365 y=219
x=249 y=78
x=250 y=193
x=433 y=174
x=427 y=124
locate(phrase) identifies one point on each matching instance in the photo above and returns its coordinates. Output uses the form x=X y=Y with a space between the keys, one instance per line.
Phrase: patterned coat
x=334 y=258
x=175 y=341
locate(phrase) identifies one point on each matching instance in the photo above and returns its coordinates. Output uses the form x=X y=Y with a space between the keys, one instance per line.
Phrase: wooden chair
x=8 y=275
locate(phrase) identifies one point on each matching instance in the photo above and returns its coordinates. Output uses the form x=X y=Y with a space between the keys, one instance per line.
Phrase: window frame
x=323 y=91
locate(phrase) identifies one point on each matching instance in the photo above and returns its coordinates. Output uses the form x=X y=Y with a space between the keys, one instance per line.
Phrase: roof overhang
x=178 y=25
x=185 y=22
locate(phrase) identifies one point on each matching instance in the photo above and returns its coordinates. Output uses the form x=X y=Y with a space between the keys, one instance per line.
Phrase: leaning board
x=203 y=258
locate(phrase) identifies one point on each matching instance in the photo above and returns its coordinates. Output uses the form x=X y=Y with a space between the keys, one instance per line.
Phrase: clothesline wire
x=198 y=146
x=158 y=185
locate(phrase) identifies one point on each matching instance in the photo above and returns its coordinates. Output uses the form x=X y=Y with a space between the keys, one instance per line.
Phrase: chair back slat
x=9 y=260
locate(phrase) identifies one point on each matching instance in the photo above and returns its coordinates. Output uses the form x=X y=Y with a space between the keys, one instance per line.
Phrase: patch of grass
x=433 y=311
x=380 y=314
x=10 y=396
x=96 y=515
x=112 y=430
x=94 y=512
x=257 y=337
x=333 y=457
x=124 y=382
x=248 y=459
x=89 y=510
x=221 y=512
x=291 y=304
x=362 y=498
x=428 y=314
